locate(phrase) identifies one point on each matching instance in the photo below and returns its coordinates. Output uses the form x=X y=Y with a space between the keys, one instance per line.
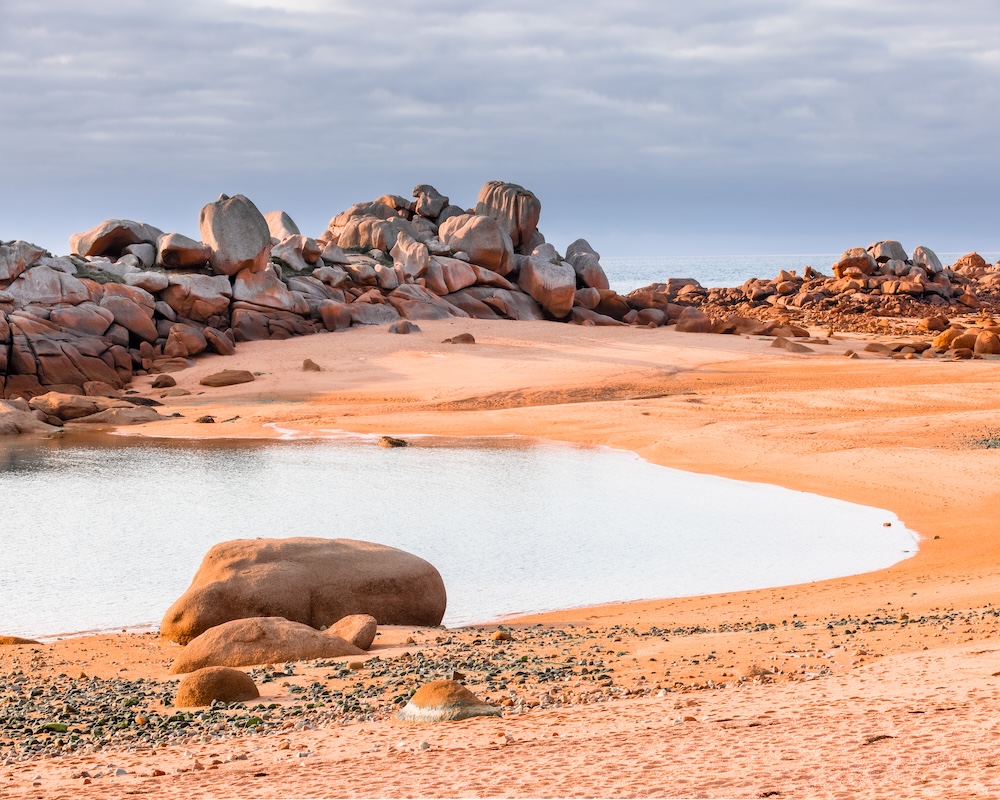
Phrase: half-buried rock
x=228 y=377
x=261 y=640
x=309 y=580
x=15 y=640
x=205 y=686
x=441 y=701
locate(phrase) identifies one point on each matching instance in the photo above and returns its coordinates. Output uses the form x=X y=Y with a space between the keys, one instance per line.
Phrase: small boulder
x=442 y=701
x=259 y=640
x=404 y=326
x=175 y=251
x=856 y=258
x=228 y=377
x=163 y=382
x=280 y=225
x=310 y=366
x=15 y=640
x=392 y=441
x=215 y=684
x=358 y=629
x=462 y=338
x=693 y=320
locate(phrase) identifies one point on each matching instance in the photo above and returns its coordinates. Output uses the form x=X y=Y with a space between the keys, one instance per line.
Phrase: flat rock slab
x=443 y=701
x=228 y=377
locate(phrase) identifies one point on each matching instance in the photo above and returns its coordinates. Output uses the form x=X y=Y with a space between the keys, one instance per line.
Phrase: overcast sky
x=649 y=128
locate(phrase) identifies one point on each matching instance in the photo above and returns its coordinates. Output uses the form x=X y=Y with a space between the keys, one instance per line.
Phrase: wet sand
x=876 y=685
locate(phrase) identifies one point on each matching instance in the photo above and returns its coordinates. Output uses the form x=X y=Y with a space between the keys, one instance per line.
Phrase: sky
x=648 y=128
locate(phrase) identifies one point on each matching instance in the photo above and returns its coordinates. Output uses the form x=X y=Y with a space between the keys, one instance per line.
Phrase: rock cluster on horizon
x=131 y=299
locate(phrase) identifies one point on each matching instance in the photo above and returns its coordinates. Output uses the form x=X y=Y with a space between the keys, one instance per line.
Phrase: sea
x=626 y=273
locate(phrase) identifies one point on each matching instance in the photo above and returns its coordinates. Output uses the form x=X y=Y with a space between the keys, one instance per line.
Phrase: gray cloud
x=644 y=126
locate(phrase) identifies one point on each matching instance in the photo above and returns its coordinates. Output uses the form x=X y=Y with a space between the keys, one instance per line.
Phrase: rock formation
x=131 y=299
x=444 y=701
x=308 y=580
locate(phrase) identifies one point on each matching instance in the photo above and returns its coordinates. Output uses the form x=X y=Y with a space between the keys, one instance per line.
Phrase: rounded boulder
x=206 y=686
x=310 y=580
x=443 y=701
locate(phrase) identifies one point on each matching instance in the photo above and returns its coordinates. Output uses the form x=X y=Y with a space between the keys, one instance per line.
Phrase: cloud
x=317 y=104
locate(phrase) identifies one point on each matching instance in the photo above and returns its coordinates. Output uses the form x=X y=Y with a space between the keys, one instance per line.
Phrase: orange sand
x=823 y=710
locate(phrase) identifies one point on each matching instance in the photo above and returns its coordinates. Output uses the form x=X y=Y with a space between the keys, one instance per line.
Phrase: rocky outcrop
x=482 y=239
x=112 y=236
x=313 y=581
x=259 y=640
x=551 y=282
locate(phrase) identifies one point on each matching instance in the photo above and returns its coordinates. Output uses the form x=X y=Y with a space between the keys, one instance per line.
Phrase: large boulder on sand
x=259 y=640
x=205 y=686
x=358 y=629
x=237 y=233
x=309 y=580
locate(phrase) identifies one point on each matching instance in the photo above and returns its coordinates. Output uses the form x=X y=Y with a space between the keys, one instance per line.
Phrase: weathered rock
x=389 y=442
x=447 y=275
x=415 y=302
x=44 y=286
x=86 y=318
x=14 y=421
x=358 y=629
x=112 y=236
x=145 y=252
x=443 y=701
x=308 y=365
x=587 y=263
x=371 y=313
x=552 y=285
x=64 y=406
x=121 y=416
x=516 y=209
x=237 y=233
x=925 y=257
x=16 y=257
x=259 y=640
x=482 y=238
x=472 y=306
x=228 y=377
x=987 y=344
x=583 y=316
x=16 y=640
x=336 y=316
x=855 y=259
x=403 y=327
x=792 y=347
x=308 y=580
x=694 y=320
x=265 y=288
x=411 y=256
x=198 y=297
x=511 y=305
x=218 y=342
x=887 y=250
x=462 y=338
x=184 y=340
x=175 y=251
x=210 y=684
x=163 y=382
x=280 y=225
x=100 y=389
x=430 y=202
x=135 y=318
x=298 y=253
x=149 y=281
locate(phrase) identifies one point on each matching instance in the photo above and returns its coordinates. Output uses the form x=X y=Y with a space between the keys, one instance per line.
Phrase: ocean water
x=626 y=273
x=99 y=538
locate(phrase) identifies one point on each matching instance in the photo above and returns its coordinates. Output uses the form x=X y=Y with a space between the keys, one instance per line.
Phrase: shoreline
x=796 y=671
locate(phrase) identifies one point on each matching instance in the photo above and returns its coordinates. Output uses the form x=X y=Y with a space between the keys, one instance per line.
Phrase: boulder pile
x=131 y=299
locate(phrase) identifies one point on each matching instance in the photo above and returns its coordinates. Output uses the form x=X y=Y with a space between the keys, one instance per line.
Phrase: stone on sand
x=228 y=377
x=259 y=640
x=15 y=640
x=443 y=701
x=358 y=629
x=314 y=581
x=210 y=684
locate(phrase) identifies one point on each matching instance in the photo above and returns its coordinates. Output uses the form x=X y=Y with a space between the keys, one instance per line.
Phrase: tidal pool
x=99 y=536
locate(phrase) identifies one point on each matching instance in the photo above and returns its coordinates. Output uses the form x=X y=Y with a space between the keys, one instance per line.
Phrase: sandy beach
x=876 y=685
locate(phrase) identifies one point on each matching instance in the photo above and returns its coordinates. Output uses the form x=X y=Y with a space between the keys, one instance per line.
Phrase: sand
x=878 y=685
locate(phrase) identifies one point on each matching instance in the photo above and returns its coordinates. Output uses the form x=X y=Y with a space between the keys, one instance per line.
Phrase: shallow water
x=98 y=537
